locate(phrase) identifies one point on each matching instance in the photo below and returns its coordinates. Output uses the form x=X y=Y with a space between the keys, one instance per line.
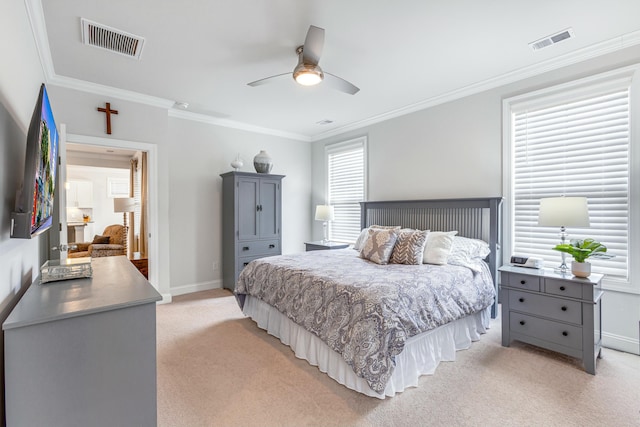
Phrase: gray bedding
x=365 y=311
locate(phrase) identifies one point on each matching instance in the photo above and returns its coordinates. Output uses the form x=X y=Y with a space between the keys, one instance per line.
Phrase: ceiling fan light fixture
x=308 y=75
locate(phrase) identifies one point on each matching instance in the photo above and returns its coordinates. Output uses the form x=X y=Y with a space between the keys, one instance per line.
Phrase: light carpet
x=217 y=368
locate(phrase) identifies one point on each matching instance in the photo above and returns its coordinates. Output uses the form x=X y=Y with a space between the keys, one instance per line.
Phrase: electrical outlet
x=216 y=266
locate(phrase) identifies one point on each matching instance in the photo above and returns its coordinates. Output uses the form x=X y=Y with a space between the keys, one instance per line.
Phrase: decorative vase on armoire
x=263 y=162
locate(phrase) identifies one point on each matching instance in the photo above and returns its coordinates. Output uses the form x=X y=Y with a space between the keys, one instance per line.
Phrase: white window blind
x=346 y=188
x=579 y=147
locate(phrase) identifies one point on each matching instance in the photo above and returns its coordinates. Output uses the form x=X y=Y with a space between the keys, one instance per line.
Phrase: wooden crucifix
x=108 y=111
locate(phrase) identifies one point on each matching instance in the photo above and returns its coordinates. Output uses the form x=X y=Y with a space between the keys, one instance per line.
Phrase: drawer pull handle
x=562 y=288
x=564 y=308
x=272 y=246
x=245 y=248
x=565 y=333
x=522 y=322
x=522 y=282
x=521 y=299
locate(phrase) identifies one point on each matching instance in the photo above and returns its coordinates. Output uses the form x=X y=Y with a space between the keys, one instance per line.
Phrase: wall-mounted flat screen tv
x=34 y=201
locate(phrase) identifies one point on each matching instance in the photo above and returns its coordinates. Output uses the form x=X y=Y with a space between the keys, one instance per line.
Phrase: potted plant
x=580 y=250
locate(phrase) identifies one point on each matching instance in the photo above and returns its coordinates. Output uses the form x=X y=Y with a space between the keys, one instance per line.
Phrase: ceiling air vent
x=552 y=39
x=111 y=39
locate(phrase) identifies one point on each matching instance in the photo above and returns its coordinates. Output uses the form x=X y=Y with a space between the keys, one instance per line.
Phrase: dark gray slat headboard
x=477 y=218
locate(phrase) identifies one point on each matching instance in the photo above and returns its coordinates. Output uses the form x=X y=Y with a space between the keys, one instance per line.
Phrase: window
x=346 y=187
x=572 y=140
x=117 y=187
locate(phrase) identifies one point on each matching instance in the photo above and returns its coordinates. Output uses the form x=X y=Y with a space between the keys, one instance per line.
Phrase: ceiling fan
x=308 y=72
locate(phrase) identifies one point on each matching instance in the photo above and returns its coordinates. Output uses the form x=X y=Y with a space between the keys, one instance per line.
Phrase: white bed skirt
x=421 y=354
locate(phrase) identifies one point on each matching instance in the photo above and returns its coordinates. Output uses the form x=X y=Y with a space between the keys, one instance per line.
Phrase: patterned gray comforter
x=365 y=311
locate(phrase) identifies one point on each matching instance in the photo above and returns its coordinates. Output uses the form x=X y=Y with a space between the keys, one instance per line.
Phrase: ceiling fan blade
x=340 y=84
x=267 y=79
x=313 y=44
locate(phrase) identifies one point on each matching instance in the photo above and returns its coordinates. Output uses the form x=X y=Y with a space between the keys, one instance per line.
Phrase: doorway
x=88 y=152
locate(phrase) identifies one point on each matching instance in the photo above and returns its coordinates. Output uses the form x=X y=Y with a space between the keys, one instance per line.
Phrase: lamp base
x=325 y=238
x=562 y=269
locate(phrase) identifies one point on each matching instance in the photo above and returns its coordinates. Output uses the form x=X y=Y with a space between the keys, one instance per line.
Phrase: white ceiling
x=403 y=55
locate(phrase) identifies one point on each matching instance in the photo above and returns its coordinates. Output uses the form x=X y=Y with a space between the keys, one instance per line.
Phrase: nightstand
x=555 y=311
x=320 y=245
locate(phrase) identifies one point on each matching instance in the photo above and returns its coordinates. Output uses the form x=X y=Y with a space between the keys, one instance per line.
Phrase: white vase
x=263 y=162
x=581 y=269
x=237 y=163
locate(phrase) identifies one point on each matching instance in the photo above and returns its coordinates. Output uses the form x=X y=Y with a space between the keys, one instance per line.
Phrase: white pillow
x=438 y=247
x=468 y=252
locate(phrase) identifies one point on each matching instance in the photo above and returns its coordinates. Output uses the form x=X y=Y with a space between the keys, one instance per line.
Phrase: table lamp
x=563 y=212
x=325 y=213
x=124 y=205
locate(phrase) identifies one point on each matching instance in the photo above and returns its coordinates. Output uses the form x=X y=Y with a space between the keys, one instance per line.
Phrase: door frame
x=152 y=180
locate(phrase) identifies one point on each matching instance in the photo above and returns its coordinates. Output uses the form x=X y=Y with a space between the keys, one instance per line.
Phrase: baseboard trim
x=196 y=287
x=619 y=342
x=166 y=299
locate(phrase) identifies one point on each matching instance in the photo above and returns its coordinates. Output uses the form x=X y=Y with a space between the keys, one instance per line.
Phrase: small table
x=141 y=263
x=320 y=245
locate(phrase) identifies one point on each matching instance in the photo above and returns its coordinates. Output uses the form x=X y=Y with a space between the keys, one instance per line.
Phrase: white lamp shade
x=124 y=204
x=324 y=213
x=564 y=212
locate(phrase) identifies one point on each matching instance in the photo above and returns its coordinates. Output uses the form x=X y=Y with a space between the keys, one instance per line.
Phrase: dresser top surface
x=116 y=283
x=593 y=279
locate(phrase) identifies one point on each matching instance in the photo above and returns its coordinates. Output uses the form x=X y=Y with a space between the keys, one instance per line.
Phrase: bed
x=376 y=327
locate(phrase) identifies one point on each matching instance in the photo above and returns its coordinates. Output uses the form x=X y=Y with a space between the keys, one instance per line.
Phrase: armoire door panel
x=248 y=200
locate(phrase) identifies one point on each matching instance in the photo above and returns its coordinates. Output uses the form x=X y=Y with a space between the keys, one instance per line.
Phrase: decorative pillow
x=468 y=252
x=379 y=245
x=364 y=234
x=100 y=239
x=409 y=248
x=438 y=247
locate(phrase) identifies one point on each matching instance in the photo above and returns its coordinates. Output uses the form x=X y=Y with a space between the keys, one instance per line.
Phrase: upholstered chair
x=110 y=243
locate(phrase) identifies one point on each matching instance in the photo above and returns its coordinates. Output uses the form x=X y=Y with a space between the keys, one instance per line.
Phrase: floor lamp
x=124 y=205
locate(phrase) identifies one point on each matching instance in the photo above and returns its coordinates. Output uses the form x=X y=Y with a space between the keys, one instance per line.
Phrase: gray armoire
x=251 y=220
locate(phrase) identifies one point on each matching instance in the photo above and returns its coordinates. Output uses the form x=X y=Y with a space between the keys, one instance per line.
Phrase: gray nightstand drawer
x=563 y=288
x=541 y=305
x=547 y=330
x=522 y=281
x=256 y=247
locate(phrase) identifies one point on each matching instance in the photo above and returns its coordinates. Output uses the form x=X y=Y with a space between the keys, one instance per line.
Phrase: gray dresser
x=251 y=221
x=556 y=311
x=82 y=352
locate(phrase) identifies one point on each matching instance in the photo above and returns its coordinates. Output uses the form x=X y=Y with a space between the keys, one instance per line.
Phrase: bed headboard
x=479 y=218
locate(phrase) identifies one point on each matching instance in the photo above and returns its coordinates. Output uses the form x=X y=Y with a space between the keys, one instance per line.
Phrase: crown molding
x=203 y=118
x=38 y=26
x=39 y=30
x=110 y=91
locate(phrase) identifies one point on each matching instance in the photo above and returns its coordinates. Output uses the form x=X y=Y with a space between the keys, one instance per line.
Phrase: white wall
x=20 y=79
x=455 y=150
x=200 y=154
